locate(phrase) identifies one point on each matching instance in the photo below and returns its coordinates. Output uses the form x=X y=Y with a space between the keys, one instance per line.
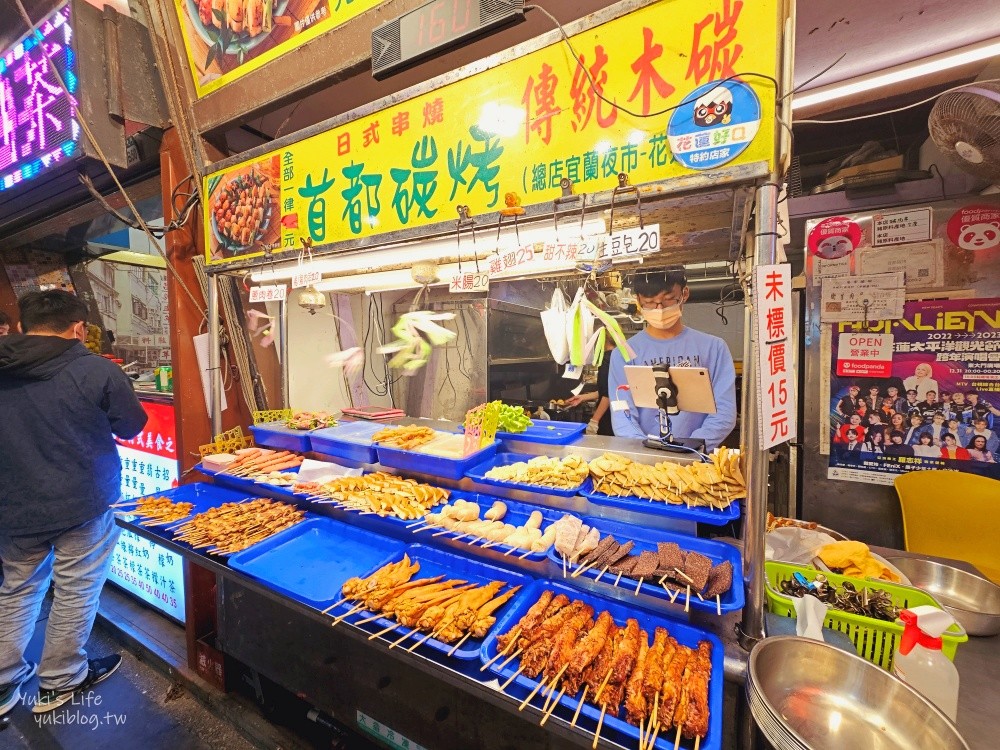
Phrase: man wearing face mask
x=666 y=340
x=60 y=408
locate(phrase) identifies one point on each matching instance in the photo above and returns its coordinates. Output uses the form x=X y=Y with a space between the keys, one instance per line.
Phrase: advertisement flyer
x=939 y=405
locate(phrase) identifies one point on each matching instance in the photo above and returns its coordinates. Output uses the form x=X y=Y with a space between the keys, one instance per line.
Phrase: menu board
x=146 y=570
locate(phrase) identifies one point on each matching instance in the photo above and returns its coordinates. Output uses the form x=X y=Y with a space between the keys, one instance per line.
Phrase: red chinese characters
x=772 y=306
x=647 y=77
x=540 y=104
x=714 y=49
x=585 y=96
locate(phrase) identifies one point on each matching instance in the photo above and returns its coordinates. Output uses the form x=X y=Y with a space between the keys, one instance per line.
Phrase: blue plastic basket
x=641 y=505
x=276 y=435
x=645 y=540
x=548 y=432
x=686 y=635
x=435 y=562
x=426 y=463
x=478 y=474
x=350 y=440
x=310 y=561
x=517 y=514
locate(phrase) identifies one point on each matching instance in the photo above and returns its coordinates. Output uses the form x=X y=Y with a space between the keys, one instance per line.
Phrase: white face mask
x=664 y=318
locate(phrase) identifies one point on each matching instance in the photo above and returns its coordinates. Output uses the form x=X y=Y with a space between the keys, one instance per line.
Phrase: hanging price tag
x=268 y=293
x=305 y=277
x=469 y=282
x=635 y=241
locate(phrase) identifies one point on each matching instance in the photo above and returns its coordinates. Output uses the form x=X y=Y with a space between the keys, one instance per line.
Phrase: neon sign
x=38 y=127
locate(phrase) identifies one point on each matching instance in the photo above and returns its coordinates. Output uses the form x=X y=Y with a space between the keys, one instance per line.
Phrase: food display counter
x=293 y=582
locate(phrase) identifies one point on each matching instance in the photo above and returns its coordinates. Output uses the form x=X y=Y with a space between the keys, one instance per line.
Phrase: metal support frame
x=214 y=344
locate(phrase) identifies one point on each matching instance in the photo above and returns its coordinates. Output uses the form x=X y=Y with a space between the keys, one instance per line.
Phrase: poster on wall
x=226 y=39
x=935 y=405
x=511 y=133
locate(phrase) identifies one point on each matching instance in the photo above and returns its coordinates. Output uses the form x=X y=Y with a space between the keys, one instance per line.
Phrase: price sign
x=305 y=278
x=776 y=386
x=635 y=241
x=268 y=293
x=469 y=282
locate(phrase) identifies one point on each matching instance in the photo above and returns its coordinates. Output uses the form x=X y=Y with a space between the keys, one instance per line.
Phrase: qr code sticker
x=923 y=273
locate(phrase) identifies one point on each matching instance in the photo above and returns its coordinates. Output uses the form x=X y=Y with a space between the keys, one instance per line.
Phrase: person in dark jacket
x=60 y=408
x=4 y=323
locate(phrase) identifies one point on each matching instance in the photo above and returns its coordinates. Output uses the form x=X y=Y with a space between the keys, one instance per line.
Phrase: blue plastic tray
x=310 y=561
x=434 y=562
x=478 y=474
x=350 y=440
x=250 y=487
x=646 y=539
x=641 y=505
x=203 y=495
x=425 y=463
x=517 y=514
x=276 y=435
x=686 y=635
x=548 y=432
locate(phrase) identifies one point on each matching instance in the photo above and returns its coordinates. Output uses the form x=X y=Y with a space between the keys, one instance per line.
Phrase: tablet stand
x=666 y=401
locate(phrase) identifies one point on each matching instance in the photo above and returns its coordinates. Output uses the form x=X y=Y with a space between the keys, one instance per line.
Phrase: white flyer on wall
x=900 y=227
x=772 y=293
x=848 y=299
x=921 y=262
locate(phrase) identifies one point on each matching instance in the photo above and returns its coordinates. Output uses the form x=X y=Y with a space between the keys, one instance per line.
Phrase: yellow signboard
x=670 y=89
x=226 y=39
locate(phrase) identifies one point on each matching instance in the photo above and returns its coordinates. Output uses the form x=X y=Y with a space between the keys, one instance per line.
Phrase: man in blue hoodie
x=60 y=407
x=666 y=340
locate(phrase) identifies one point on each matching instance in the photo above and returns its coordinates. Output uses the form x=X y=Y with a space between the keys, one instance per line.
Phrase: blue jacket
x=60 y=406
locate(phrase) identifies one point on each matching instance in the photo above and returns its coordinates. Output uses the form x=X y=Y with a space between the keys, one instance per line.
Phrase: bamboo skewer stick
x=601 y=574
x=456 y=646
x=552 y=708
x=638 y=586
x=652 y=740
x=382 y=632
x=618 y=578
x=510 y=659
x=348 y=613
x=576 y=714
x=531 y=695
x=687 y=599
x=420 y=642
x=600 y=723
x=369 y=619
x=552 y=687
x=718 y=605
x=405 y=636
x=677 y=739
x=511 y=678
x=600 y=689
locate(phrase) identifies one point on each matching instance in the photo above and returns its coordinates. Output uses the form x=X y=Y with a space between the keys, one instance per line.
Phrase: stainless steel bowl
x=973 y=601
x=828 y=698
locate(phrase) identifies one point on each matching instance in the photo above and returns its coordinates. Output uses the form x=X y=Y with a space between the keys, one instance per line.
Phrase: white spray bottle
x=919 y=661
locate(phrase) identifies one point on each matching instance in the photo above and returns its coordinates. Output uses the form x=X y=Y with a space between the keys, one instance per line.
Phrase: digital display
x=38 y=127
x=437 y=23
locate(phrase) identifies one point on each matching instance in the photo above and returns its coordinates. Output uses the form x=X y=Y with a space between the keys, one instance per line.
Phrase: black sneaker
x=11 y=694
x=99 y=670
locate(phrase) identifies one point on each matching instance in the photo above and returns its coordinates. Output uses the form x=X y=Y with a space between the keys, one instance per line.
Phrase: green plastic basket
x=875 y=640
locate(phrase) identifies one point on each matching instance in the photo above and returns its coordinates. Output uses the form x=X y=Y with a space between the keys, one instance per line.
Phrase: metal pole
x=283 y=332
x=214 y=372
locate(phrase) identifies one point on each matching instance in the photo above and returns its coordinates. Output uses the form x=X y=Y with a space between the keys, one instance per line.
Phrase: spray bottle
x=919 y=661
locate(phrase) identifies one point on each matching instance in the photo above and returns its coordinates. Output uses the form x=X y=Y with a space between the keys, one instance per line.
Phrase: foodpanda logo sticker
x=835 y=237
x=975 y=227
x=715 y=124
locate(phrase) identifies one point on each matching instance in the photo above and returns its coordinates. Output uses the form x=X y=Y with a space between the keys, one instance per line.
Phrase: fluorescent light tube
x=897 y=74
x=431 y=250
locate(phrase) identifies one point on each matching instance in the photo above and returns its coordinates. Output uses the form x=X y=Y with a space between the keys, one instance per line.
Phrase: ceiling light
x=905 y=72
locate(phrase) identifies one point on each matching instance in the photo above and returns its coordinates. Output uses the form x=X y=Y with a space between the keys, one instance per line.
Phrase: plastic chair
x=952 y=514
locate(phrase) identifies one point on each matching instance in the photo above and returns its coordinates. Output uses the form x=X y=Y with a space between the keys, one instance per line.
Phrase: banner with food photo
x=935 y=406
x=226 y=39
x=244 y=215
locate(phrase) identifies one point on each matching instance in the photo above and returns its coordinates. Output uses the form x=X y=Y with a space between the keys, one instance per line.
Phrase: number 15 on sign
x=775 y=353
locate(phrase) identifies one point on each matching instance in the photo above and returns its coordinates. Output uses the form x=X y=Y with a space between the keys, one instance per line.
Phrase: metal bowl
x=973 y=601
x=827 y=698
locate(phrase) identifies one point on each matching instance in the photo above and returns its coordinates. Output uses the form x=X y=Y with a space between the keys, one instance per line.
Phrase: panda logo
x=715 y=107
x=979 y=236
x=834 y=247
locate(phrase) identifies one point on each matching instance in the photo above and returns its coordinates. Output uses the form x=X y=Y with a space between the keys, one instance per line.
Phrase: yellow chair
x=952 y=514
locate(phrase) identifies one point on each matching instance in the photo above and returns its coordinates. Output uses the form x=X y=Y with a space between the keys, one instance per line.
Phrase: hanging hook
x=623 y=188
x=568 y=196
x=465 y=220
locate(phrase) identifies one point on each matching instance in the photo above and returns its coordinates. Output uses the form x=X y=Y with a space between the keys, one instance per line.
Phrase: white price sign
x=635 y=241
x=150 y=572
x=305 y=278
x=469 y=282
x=268 y=293
x=772 y=294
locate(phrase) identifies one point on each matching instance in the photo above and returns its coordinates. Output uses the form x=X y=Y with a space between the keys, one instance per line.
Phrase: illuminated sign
x=38 y=128
x=150 y=572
